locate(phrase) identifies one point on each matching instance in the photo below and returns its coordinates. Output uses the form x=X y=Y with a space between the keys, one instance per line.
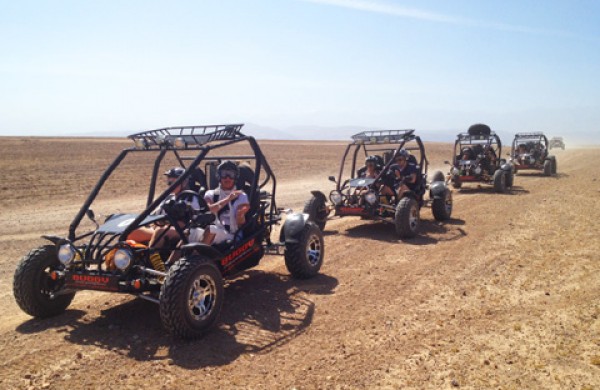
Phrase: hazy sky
x=86 y=66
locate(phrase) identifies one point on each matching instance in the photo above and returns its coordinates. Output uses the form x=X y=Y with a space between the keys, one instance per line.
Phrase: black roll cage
x=534 y=136
x=466 y=139
x=373 y=141
x=200 y=139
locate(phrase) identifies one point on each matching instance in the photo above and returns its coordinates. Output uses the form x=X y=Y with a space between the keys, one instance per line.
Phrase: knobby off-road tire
x=442 y=208
x=407 y=218
x=547 y=168
x=500 y=181
x=304 y=258
x=191 y=297
x=510 y=179
x=32 y=284
x=438 y=176
x=317 y=211
x=456 y=183
x=554 y=168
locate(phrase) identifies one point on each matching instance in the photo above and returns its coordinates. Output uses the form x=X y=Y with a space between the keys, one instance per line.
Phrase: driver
x=229 y=204
x=148 y=233
x=404 y=173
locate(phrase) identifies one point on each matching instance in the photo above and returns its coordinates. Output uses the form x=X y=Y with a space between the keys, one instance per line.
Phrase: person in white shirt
x=229 y=204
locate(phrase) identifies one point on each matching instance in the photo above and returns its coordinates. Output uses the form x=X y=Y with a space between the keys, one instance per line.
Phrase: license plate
x=92 y=282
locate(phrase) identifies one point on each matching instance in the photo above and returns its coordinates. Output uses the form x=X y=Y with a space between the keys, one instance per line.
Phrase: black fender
x=292 y=227
x=437 y=190
x=200 y=249
x=319 y=195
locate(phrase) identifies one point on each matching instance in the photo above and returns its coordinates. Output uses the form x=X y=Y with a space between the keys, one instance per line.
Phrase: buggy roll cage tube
x=533 y=136
x=86 y=205
x=468 y=139
x=188 y=171
x=375 y=137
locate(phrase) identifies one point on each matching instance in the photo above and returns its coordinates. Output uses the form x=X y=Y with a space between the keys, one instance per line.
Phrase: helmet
x=403 y=153
x=175 y=172
x=372 y=159
x=228 y=165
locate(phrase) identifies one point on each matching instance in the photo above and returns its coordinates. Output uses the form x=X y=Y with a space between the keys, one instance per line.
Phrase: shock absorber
x=157 y=262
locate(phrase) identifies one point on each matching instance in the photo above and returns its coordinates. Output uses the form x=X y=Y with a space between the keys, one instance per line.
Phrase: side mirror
x=332 y=178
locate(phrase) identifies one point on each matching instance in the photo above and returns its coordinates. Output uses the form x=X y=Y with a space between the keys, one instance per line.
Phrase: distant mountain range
x=343 y=133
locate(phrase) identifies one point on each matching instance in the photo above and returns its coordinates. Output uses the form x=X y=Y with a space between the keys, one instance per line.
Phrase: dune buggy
x=530 y=152
x=356 y=195
x=556 y=142
x=189 y=291
x=476 y=158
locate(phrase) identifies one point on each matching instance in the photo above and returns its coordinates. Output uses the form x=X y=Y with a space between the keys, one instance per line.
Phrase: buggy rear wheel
x=304 y=257
x=407 y=218
x=438 y=176
x=547 y=168
x=510 y=179
x=554 y=170
x=33 y=287
x=442 y=207
x=316 y=209
x=500 y=181
x=191 y=297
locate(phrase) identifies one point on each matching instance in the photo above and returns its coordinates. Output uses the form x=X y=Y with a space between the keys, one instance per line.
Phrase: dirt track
x=506 y=295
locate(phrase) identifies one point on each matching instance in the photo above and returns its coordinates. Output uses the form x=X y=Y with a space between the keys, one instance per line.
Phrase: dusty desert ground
x=506 y=295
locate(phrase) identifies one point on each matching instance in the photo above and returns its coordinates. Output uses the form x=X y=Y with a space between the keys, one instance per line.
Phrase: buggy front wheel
x=36 y=292
x=304 y=256
x=407 y=218
x=191 y=297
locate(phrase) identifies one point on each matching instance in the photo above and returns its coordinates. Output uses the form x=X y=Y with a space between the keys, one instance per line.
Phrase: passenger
x=467 y=154
x=523 y=149
x=404 y=173
x=229 y=204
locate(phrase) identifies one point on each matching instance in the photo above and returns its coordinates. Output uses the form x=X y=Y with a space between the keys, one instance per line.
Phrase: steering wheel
x=188 y=196
x=201 y=217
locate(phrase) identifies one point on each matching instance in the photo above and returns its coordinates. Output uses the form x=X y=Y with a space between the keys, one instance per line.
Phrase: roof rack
x=190 y=135
x=466 y=137
x=383 y=136
x=533 y=134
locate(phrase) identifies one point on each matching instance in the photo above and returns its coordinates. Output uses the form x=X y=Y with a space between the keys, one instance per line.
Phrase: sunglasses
x=227 y=175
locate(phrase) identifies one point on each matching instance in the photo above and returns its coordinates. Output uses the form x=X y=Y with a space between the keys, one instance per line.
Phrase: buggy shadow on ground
x=430 y=232
x=261 y=311
x=479 y=189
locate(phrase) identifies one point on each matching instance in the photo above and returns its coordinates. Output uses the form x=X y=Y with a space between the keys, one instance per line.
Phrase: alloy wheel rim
x=203 y=295
x=313 y=250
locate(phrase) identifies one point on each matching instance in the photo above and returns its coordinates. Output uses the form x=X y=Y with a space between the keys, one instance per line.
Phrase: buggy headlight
x=123 y=258
x=478 y=171
x=370 y=197
x=335 y=197
x=455 y=171
x=66 y=254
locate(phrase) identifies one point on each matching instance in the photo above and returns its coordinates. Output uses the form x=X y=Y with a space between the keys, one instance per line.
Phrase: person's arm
x=218 y=205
